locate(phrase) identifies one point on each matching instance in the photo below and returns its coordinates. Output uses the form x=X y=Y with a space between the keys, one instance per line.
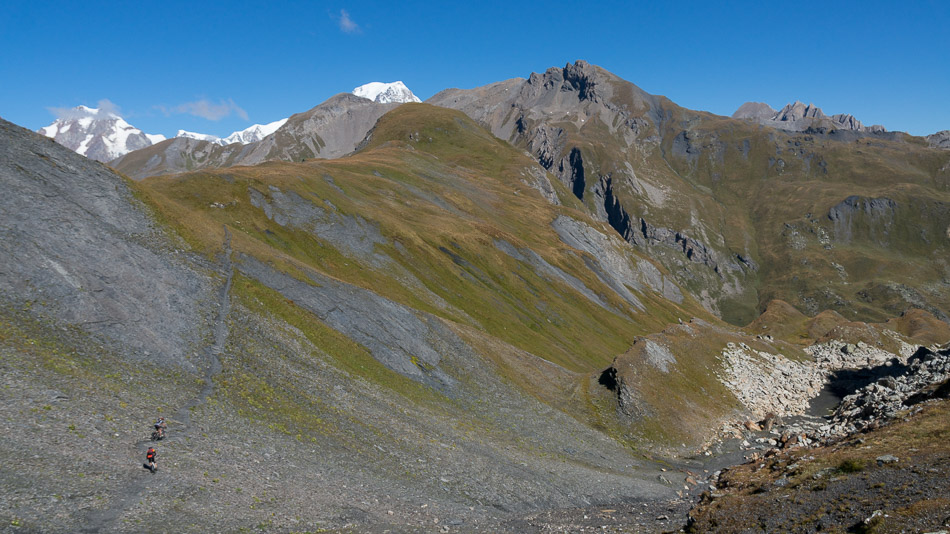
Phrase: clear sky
x=217 y=67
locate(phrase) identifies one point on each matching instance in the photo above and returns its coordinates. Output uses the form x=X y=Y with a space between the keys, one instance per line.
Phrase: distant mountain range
x=799 y=117
x=250 y=134
x=104 y=136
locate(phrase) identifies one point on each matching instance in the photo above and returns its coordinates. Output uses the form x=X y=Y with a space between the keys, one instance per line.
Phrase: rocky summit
x=555 y=303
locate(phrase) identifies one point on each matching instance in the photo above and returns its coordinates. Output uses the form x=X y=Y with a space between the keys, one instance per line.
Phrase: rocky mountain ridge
x=940 y=139
x=627 y=155
x=251 y=134
x=799 y=117
x=329 y=130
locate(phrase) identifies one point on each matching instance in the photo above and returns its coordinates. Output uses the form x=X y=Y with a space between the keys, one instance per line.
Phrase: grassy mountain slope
x=407 y=322
x=435 y=223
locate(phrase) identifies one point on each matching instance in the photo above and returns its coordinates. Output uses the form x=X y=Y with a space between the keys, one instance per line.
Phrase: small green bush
x=851 y=465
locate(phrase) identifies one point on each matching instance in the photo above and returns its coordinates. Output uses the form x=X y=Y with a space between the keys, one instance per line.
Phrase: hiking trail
x=127 y=496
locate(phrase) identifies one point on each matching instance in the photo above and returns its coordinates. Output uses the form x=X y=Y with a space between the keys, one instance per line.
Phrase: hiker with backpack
x=150 y=456
x=160 y=427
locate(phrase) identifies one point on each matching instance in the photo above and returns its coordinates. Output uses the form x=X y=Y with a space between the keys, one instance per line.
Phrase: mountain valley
x=547 y=304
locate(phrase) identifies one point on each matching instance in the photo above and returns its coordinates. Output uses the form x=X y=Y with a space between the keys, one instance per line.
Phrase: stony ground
x=894 y=479
x=76 y=423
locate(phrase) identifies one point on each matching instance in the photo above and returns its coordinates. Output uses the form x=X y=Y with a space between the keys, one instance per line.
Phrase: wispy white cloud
x=206 y=109
x=104 y=108
x=347 y=24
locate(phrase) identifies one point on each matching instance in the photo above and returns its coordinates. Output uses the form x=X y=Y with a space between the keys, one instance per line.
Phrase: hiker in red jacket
x=150 y=456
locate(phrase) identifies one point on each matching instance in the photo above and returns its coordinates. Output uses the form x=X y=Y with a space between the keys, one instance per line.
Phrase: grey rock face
x=545 y=269
x=878 y=214
x=536 y=178
x=403 y=340
x=178 y=155
x=521 y=109
x=354 y=236
x=940 y=139
x=330 y=130
x=76 y=246
x=615 y=266
x=798 y=111
x=658 y=355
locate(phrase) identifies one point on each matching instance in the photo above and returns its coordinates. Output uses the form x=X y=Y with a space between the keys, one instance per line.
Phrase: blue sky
x=216 y=67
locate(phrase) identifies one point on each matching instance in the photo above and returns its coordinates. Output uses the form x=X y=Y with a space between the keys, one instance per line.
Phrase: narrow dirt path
x=128 y=495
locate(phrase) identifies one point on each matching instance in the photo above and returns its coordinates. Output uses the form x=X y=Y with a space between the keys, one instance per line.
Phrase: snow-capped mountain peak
x=251 y=134
x=385 y=93
x=199 y=136
x=254 y=133
x=96 y=113
x=98 y=134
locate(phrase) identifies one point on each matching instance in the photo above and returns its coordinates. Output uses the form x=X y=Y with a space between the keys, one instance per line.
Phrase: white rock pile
x=770 y=383
x=773 y=387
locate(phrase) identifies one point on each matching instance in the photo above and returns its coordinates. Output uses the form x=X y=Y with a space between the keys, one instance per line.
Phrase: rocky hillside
x=739 y=214
x=892 y=477
x=78 y=248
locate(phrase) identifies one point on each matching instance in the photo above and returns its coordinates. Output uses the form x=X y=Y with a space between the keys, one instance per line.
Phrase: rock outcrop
x=875 y=215
x=922 y=377
x=757 y=111
x=940 y=139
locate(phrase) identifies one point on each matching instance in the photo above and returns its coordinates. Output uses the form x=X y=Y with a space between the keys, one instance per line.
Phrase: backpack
x=150 y=454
